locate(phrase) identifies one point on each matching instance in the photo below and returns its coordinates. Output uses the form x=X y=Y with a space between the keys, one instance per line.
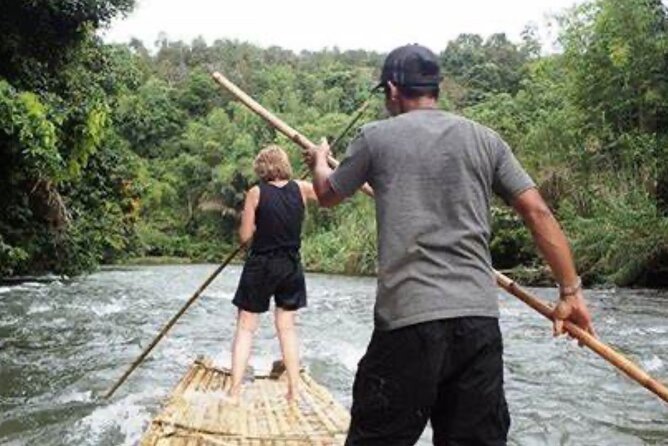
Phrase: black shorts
x=449 y=372
x=277 y=273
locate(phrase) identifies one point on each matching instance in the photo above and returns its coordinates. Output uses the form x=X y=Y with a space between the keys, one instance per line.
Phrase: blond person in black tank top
x=272 y=218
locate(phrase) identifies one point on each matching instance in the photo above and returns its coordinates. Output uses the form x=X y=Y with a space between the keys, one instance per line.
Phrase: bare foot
x=234 y=396
x=293 y=394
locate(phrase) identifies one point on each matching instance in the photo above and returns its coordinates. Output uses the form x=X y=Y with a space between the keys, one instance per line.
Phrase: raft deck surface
x=197 y=413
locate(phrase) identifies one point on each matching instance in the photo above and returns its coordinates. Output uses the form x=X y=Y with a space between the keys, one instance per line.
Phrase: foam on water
x=610 y=320
x=29 y=285
x=221 y=359
x=263 y=361
x=107 y=309
x=348 y=354
x=652 y=364
x=657 y=330
x=36 y=308
x=507 y=311
x=75 y=396
x=100 y=308
x=7 y=320
x=128 y=416
x=222 y=295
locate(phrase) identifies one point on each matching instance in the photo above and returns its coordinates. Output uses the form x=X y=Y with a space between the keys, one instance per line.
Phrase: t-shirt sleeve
x=510 y=179
x=354 y=170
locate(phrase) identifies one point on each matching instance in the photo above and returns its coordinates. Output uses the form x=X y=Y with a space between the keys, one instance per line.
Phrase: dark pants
x=277 y=273
x=449 y=372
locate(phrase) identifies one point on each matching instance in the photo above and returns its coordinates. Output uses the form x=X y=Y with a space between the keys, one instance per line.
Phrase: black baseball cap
x=411 y=66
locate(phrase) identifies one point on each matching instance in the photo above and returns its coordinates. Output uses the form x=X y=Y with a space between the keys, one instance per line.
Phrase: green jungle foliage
x=115 y=152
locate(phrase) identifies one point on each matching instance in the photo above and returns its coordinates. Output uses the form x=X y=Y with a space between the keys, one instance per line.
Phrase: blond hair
x=272 y=164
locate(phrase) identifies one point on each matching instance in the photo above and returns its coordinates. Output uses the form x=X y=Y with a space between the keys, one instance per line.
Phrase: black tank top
x=278 y=218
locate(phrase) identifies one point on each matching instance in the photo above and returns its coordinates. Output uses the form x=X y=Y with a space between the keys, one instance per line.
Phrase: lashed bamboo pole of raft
x=173 y=320
x=624 y=364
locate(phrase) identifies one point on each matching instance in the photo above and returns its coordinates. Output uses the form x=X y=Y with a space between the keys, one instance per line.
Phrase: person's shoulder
x=366 y=133
x=303 y=185
x=306 y=190
x=382 y=125
x=254 y=191
x=467 y=124
x=374 y=130
x=371 y=127
x=253 y=195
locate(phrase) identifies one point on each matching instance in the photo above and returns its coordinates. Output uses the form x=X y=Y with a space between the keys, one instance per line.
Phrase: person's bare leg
x=287 y=335
x=241 y=348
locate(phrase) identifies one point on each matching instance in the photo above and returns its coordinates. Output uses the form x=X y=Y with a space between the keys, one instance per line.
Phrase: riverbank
x=527 y=276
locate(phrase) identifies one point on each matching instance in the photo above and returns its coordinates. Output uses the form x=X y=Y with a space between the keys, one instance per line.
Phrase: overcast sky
x=348 y=24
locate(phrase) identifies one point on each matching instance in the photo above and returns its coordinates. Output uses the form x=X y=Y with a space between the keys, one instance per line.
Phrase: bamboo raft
x=198 y=414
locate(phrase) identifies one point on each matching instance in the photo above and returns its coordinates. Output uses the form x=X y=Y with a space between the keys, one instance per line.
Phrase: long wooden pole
x=172 y=321
x=296 y=137
x=624 y=364
x=631 y=369
x=356 y=117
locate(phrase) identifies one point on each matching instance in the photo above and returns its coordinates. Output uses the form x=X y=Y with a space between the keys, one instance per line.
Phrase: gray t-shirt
x=433 y=174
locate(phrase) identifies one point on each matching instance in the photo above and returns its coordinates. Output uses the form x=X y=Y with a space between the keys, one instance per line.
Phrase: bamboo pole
x=624 y=364
x=296 y=137
x=173 y=320
x=358 y=114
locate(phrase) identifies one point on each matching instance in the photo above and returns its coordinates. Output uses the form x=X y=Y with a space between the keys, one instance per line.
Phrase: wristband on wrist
x=565 y=291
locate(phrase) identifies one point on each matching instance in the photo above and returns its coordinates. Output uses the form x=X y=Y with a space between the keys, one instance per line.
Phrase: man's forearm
x=553 y=245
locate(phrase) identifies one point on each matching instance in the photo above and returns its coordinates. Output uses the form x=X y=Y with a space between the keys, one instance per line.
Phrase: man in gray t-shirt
x=436 y=351
x=432 y=173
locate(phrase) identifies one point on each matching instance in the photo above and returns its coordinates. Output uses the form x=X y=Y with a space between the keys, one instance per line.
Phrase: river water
x=63 y=344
